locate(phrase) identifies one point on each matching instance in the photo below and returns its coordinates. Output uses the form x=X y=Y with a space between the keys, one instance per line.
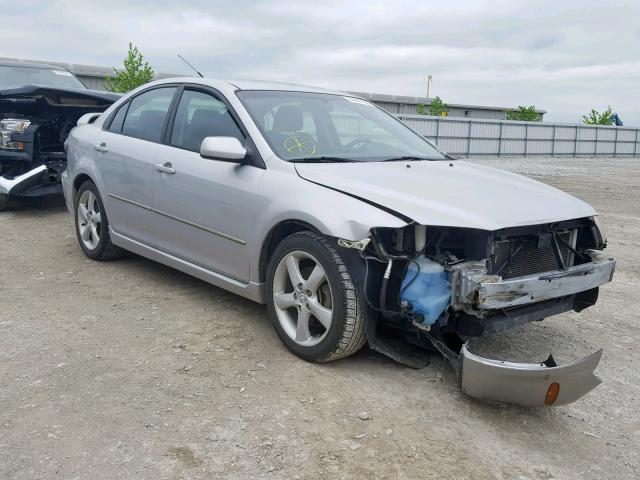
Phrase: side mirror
x=223 y=148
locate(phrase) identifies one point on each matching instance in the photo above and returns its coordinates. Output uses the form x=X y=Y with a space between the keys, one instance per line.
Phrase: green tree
x=136 y=72
x=524 y=114
x=597 y=118
x=438 y=107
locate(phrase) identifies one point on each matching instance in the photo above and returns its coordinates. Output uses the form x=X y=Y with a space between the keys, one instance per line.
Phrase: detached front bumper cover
x=541 y=384
x=527 y=384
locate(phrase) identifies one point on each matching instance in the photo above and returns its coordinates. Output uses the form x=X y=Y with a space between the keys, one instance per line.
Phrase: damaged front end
x=35 y=121
x=436 y=287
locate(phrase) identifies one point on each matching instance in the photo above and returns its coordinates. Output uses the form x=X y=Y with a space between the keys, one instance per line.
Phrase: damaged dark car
x=39 y=105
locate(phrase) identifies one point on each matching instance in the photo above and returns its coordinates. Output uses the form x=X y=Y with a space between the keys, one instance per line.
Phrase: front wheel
x=312 y=301
x=92 y=225
x=4 y=202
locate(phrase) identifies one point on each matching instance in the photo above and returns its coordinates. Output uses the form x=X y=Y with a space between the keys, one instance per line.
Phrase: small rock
x=389 y=431
x=364 y=416
x=362 y=435
x=241 y=389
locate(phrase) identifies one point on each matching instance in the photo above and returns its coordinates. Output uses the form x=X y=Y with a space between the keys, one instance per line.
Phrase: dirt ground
x=129 y=369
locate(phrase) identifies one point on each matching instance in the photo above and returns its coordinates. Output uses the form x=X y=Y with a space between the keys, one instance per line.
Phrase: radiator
x=517 y=256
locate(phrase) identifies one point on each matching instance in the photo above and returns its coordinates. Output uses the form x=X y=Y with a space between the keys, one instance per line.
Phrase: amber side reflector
x=20 y=145
x=552 y=394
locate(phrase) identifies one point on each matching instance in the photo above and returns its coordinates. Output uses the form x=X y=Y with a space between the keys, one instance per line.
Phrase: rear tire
x=320 y=293
x=4 y=202
x=92 y=225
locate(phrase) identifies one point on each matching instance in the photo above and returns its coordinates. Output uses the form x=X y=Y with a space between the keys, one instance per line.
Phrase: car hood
x=444 y=193
x=31 y=99
x=33 y=90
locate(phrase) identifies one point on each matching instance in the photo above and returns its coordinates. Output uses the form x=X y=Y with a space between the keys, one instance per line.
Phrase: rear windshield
x=17 y=76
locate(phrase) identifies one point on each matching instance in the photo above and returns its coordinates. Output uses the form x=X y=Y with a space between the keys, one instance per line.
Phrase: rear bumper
x=473 y=288
x=527 y=384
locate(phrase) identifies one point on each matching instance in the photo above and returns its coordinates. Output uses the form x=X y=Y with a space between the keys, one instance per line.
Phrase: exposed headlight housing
x=9 y=126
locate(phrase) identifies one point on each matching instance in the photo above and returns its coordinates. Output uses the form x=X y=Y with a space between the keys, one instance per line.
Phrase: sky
x=563 y=56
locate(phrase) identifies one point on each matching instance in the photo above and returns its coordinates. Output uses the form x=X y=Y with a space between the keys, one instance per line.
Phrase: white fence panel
x=481 y=137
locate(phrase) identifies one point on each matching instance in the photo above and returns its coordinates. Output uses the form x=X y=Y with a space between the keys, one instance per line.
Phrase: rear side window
x=147 y=113
x=118 y=119
x=201 y=115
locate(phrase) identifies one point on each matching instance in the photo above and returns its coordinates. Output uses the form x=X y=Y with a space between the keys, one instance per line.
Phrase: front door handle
x=101 y=148
x=166 y=168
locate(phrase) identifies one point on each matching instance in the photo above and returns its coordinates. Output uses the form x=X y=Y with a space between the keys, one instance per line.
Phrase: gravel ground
x=129 y=369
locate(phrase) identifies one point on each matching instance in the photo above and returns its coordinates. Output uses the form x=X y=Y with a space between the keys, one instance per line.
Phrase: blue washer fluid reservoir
x=427 y=289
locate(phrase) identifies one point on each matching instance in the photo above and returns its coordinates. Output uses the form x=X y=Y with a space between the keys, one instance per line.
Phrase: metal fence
x=469 y=137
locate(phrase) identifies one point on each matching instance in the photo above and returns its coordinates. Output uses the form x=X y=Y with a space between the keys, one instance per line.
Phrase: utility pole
x=429 y=78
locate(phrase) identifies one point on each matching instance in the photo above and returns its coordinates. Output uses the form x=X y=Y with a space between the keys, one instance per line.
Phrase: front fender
x=330 y=212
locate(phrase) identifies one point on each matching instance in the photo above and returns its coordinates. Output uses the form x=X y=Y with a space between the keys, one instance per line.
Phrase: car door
x=126 y=153
x=204 y=209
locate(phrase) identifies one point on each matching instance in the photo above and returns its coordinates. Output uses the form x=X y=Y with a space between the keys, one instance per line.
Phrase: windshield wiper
x=323 y=159
x=405 y=158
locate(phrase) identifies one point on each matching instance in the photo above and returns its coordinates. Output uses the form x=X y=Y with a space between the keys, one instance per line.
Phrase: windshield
x=303 y=126
x=15 y=76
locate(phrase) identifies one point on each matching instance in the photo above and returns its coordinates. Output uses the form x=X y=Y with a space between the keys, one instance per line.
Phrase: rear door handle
x=101 y=148
x=166 y=168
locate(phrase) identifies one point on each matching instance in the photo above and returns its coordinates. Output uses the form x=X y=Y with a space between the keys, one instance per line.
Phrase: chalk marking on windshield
x=292 y=144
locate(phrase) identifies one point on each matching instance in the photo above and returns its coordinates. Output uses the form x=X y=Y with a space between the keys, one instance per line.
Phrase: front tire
x=92 y=225
x=4 y=202
x=312 y=301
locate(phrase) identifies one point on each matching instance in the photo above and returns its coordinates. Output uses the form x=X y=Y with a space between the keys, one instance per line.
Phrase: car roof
x=14 y=63
x=250 y=85
x=285 y=86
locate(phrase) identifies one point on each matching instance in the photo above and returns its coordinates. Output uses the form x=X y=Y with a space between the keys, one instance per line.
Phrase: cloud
x=565 y=57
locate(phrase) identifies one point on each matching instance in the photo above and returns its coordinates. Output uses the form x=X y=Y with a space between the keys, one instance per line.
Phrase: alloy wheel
x=302 y=298
x=89 y=220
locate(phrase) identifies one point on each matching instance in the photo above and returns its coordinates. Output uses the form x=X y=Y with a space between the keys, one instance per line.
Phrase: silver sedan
x=349 y=225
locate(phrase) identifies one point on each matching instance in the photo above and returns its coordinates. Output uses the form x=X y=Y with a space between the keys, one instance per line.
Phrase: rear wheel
x=92 y=225
x=4 y=202
x=312 y=300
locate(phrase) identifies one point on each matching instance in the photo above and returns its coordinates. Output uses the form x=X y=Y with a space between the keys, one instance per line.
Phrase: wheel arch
x=78 y=181
x=279 y=232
